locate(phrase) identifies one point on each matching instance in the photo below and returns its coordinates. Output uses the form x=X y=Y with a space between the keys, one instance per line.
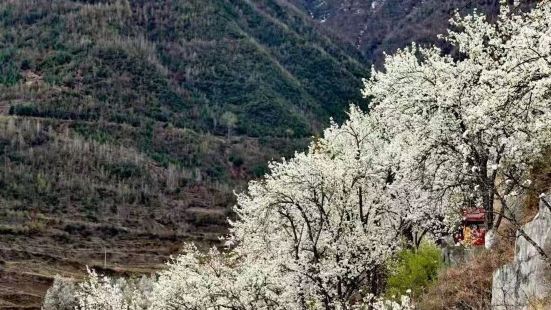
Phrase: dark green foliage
x=414 y=270
x=260 y=170
x=125 y=170
x=236 y=160
x=153 y=66
x=9 y=71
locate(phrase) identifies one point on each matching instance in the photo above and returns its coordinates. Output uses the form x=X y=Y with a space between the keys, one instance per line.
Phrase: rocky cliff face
x=524 y=283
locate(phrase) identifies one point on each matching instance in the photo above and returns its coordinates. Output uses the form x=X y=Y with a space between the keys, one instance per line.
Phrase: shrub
x=414 y=270
x=9 y=71
x=125 y=170
x=61 y=296
x=541 y=175
x=236 y=160
x=259 y=170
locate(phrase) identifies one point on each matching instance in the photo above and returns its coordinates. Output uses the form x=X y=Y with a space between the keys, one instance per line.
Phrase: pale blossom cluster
x=103 y=293
x=443 y=133
x=215 y=280
x=378 y=303
x=469 y=128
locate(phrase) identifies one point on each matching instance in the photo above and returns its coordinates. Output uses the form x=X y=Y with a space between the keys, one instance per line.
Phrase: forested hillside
x=125 y=123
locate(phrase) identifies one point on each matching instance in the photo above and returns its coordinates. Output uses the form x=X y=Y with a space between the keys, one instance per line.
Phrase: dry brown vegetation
x=68 y=202
x=467 y=285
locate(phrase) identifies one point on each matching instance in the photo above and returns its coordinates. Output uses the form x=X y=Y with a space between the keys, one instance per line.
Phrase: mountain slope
x=181 y=62
x=377 y=26
x=125 y=126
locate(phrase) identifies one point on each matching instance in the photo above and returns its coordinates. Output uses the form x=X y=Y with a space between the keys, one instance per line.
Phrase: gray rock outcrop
x=528 y=279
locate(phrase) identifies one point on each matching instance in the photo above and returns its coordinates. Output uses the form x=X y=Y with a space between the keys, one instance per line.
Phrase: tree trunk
x=487 y=186
x=489 y=208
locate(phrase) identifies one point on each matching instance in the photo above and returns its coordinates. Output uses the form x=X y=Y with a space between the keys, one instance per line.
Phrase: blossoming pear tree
x=321 y=218
x=470 y=127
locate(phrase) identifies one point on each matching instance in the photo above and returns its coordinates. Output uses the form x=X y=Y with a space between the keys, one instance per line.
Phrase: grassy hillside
x=126 y=125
